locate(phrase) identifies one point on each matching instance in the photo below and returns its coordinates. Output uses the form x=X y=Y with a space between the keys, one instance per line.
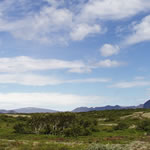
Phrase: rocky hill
x=147 y=104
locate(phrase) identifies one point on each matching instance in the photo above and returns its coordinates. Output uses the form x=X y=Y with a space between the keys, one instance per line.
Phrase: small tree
x=144 y=125
x=19 y=128
x=121 y=126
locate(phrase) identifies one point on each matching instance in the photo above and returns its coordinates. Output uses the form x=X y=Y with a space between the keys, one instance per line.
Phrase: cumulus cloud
x=46 y=26
x=52 y=22
x=141 y=32
x=109 y=50
x=113 y=9
x=62 y=20
x=40 y=80
x=82 y=30
x=48 y=100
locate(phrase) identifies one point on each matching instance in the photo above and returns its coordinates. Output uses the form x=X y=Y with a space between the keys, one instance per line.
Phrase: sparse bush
x=64 y=124
x=121 y=126
x=19 y=128
x=144 y=125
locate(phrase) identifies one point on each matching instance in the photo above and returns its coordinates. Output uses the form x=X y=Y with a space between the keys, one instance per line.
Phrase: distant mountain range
x=29 y=110
x=34 y=110
x=3 y=111
x=147 y=104
x=108 y=107
x=79 y=109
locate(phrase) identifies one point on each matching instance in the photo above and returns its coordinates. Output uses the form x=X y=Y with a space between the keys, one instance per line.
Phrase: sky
x=61 y=54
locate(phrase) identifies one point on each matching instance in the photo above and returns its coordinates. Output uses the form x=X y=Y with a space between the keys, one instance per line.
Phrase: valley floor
x=116 y=130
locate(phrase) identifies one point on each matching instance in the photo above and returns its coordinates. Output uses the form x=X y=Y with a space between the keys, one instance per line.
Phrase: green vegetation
x=62 y=124
x=97 y=130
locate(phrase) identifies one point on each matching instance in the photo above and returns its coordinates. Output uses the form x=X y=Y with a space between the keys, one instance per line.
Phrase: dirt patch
x=108 y=124
x=146 y=115
x=136 y=115
x=17 y=115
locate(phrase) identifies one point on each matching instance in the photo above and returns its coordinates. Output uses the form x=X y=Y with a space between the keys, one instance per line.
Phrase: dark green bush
x=66 y=124
x=121 y=126
x=144 y=125
x=20 y=128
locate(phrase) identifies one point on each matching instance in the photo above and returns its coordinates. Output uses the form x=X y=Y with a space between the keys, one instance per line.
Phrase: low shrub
x=121 y=126
x=144 y=125
x=64 y=124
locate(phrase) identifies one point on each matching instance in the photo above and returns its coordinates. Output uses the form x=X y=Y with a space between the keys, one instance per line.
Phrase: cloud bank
x=22 y=64
x=45 y=21
x=40 y=80
x=49 y=100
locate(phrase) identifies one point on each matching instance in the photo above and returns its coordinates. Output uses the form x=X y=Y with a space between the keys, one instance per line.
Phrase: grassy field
x=115 y=130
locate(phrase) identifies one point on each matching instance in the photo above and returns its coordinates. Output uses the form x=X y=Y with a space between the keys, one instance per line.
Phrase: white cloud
x=141 y=32
x=89 y=80
x=113 y=9
x=83 y=30
x=47 y=25
x=39 y=80
x=109 y=63
x=131 y=84
x=55 y=22
x=81 y=70
x=56 y=101
x=28 y=79
x=27 y=64
x=109 y=50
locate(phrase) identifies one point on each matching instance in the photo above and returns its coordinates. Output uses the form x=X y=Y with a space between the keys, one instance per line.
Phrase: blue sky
x=62 y=54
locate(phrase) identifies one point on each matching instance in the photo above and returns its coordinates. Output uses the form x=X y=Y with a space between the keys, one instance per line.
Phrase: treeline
x=66 y=124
